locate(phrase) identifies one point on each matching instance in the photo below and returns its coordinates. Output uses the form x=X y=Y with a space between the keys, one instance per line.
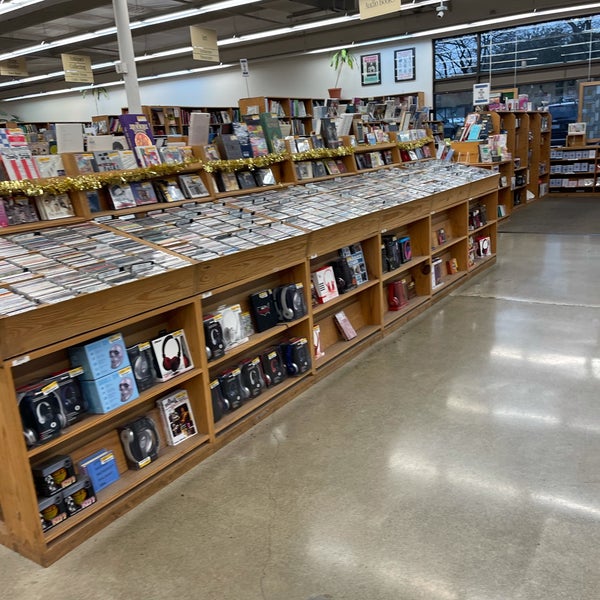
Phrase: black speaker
x=273 y=366
x=252 y=377
x=140 y=442
x=344 y=277
x=213 y=336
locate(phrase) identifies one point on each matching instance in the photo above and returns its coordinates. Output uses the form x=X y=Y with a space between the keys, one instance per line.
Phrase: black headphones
x=140 y=441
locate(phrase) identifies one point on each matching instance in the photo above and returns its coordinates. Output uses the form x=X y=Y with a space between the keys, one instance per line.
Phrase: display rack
x=416 y=201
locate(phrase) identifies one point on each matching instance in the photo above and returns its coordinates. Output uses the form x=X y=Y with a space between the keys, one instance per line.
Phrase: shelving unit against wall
x=574 y=170
x=297 y=112
x=34 y=344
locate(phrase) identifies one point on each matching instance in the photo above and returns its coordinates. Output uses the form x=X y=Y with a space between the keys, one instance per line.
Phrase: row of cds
x=60 y=263
x=57 y=264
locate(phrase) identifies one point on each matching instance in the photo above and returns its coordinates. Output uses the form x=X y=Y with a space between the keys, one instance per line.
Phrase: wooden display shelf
x=392 y=316
x=343 y=298
x=341 y=347
x=128 y=481
x=33 y=344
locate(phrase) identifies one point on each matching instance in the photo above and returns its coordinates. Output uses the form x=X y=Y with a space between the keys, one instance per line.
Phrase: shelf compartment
x=250 y=406
x=391 y=316
x=128 y=481
x=341 y=346
x=342 y=298
x=403 y=268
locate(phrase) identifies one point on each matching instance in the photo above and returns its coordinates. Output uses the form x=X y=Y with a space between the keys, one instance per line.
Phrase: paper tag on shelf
x=206 y=295
x=20 y=361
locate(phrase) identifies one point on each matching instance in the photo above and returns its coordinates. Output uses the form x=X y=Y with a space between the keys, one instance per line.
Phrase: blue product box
x=110 y=392
x=100 y=357
x=101 y=468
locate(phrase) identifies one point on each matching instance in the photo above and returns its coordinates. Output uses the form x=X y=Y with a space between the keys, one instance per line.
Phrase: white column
x=127 y=56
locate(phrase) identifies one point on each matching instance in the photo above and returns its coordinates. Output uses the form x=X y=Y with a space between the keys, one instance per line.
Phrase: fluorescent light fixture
x=16 y=5
x=175 y=16
x=116 y=83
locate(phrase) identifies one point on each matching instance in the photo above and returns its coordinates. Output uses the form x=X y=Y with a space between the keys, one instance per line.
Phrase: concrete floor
x=459 y=459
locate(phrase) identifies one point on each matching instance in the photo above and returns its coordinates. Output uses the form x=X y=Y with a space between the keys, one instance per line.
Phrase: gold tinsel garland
x=318 y=153
x=239 y=164
x=415 y=143
x=62 y=185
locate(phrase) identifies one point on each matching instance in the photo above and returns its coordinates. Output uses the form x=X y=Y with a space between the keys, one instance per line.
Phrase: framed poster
x=404 y=64
x=370 y=69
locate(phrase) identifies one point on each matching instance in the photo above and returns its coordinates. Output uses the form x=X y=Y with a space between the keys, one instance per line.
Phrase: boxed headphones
x=177 y=417
x=252 y=377
x=142 y=365
x=232 y=389
x=296 y=355
x=53 y=476
x=290 y=302
x=41 y=412
x=397 y=295
x=325 y=285
x=140 y=442
x=219 y=405
x=263 y=310
x=213 y=336
x=405 y=249
x=171 y=355
x=483 y=246
x=231 y=323
x=273 y=366
x=344 y=277
x=69 y=392
x=391 y=252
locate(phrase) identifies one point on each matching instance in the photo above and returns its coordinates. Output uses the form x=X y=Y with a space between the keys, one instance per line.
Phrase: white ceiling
x=55 y=19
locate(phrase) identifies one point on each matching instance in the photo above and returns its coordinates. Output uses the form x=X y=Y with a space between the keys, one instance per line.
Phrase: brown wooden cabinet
x=34 y=344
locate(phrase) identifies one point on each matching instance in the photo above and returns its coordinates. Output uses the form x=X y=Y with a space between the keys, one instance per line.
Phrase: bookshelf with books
x=574 y=170
x=293 y=112
x=539 y=154
x=213 y=259
x=107 y=124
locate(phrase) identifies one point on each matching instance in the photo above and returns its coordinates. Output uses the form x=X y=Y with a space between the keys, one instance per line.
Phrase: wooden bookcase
x=297 y=112
x=34 y=344
x=574 y=170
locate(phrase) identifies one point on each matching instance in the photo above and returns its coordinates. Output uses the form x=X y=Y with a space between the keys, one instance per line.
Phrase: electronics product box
x=111 y=391
x=171 y=355
x=142 y=364
x=52 y=511
x=54 y=475
x=101 y=468
x=325 y=285
x=177 y=418
x=100 y=357
x=78 y=496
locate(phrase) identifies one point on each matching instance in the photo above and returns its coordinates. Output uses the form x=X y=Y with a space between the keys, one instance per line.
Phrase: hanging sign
x=14 y=67
x=244 y=67
x=481 y=94
x=204 y=44
x=77 y=68
x=376 y=8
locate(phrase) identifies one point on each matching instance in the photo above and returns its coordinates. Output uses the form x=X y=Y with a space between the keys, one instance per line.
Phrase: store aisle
x=459 y=459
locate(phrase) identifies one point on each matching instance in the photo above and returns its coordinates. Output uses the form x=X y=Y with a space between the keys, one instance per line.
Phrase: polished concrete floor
x=459 y=459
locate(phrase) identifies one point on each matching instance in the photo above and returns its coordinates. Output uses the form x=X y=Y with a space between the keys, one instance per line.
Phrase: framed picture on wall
x=370 y=69
x=404 y=64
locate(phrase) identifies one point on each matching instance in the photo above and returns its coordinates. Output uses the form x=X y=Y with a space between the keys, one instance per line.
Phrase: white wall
x=308 y=76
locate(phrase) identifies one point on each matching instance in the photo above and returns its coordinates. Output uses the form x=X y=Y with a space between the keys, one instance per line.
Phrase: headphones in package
x=140 y=442
x=272 y=366
x=176 y=358
x=213 y=333
x=290 y=302
x=43 y=417
x=297 y=356
x=252 y=377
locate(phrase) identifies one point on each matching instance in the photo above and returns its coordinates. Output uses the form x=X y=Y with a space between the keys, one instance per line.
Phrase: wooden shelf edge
x=391 y=317
x=341 y=347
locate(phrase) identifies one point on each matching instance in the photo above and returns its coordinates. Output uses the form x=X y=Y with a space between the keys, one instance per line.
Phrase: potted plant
x=338 y=60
